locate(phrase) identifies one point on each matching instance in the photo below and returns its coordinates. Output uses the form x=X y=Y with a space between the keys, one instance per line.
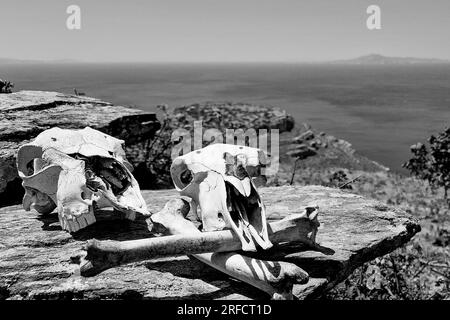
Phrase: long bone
x=273 y=277
x=300 y=228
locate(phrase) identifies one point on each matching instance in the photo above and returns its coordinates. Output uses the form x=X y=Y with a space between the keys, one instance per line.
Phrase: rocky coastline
x=148 y=144
x=148 y=140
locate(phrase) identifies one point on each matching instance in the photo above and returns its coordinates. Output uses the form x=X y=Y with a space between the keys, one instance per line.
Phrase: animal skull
x=77 y=172
x=218 y=180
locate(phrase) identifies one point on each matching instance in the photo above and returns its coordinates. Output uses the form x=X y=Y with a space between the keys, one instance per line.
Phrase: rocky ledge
x=41 y=261
x=25 y=114
x=148 y=141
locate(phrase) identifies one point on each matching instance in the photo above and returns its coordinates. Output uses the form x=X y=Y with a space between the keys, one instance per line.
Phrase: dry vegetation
x=421 y=269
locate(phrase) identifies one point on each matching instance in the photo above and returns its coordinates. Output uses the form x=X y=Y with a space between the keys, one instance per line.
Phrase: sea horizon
x=381 y=110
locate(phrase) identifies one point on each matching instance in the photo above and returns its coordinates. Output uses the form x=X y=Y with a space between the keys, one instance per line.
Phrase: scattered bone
x=186 y=239
x=273 y=277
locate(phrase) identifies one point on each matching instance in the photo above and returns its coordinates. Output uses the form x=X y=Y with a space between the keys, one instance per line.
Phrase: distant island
x=378 y=59
x=370 y=59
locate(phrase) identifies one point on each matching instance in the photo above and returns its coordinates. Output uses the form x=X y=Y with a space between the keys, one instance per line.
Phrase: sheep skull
x=218 y=179
x=77 y=172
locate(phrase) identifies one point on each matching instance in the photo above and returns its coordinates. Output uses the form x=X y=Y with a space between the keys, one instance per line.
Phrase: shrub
x=432 y=164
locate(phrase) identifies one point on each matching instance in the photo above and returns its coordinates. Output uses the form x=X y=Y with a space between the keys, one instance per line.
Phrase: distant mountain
x=378 y=59
x=4 y=61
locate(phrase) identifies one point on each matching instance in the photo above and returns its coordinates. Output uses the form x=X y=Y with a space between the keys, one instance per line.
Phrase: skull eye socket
x=186 y=177
x=33 y=166
x=182 y=176
x=29 y=160
x=30 y=168
x=86 y=193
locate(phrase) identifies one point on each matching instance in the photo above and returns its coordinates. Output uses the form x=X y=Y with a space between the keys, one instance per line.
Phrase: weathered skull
x=218 y=180
x=77 y=172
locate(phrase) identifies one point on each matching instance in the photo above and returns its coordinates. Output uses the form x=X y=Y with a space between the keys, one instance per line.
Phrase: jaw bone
x=217 y=181
x=60 y=167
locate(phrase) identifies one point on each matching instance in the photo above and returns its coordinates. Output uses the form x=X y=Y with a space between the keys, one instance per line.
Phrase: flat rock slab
x=40 y=261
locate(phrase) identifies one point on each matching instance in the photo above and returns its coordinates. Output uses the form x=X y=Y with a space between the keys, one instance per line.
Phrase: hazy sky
x=225 y=30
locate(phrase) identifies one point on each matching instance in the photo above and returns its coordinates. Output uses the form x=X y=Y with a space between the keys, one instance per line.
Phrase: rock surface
x=40 y=261
x=227 y=115
x=25 y=114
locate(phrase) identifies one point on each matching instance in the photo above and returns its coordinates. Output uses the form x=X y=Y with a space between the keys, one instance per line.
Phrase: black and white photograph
x=242 y=151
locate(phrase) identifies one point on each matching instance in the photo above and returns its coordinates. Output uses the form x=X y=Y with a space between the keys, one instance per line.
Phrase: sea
x=381 y=109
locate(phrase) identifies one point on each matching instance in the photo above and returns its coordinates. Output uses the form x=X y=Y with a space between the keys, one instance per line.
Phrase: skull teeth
x=76 y=223
x=259 y=239
x=249 y=246
x=238 y=208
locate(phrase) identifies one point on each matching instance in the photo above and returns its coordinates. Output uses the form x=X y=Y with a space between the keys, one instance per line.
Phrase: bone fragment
x=273 y=277
x=186 y=239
